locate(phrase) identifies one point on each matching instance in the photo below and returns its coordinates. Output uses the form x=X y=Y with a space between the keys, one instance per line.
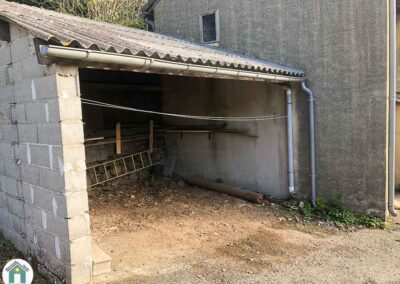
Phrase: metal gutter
x=146 y=63
x=392 y=106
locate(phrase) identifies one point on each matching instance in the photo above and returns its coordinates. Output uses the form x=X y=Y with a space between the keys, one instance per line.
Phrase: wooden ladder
x=117 y=168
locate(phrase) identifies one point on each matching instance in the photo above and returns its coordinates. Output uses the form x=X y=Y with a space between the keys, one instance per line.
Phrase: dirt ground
x=163 y=231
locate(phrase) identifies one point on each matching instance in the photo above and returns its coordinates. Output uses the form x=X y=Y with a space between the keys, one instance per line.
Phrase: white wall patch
x=61 y=166
x=32 y=197
x=65 y=94
x=44 y=220
x=46 y=109
x=55 y=207
x=51 y=156
x=28 y=153
x=57 y=247
x=33 y=90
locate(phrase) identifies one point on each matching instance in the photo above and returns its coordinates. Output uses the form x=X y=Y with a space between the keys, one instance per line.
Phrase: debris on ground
x=159 y=230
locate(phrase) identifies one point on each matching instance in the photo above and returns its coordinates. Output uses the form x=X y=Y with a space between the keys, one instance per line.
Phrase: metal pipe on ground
x=230 y=190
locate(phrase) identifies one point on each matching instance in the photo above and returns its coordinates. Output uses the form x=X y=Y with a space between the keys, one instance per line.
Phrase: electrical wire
x=196 y=117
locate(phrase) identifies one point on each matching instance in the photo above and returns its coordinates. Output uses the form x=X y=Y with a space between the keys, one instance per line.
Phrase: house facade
x=343 y=48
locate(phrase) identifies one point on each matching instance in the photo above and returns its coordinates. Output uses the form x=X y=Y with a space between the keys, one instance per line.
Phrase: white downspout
x=289 y=108
x=311 y=100
x=392 y=106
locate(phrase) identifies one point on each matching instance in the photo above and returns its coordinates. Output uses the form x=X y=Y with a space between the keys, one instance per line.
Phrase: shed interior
x=138 y=162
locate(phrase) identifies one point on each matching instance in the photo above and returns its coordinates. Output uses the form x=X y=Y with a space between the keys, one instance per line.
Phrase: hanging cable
x=214 y=118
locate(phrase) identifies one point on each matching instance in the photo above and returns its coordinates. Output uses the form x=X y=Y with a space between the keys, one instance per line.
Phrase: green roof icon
x=17 y=273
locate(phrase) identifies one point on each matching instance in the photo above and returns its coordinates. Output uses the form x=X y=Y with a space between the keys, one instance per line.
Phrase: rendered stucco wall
x=258 y=164
x=397 y=178
x=43 y=198
x=342 y=47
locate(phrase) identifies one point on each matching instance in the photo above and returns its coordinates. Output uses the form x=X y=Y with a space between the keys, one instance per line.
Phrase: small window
x=209 y=27
x=4 y=31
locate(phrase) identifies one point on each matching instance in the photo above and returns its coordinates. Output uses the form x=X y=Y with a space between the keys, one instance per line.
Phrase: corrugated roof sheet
x=72 y=31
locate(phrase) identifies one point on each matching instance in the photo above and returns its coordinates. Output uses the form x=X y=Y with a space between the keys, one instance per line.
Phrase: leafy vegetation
x=122 y=12
x=333 y=212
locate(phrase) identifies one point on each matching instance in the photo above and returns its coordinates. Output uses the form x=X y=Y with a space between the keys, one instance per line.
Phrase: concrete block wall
x=257 y=164
x=43 y=198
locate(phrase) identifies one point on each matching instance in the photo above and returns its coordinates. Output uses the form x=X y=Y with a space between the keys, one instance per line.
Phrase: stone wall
x=43 y=198
x=342 y=47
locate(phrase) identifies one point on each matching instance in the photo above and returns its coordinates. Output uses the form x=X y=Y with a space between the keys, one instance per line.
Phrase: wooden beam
x=118 y=149
x=151 y=136
x=119 y=87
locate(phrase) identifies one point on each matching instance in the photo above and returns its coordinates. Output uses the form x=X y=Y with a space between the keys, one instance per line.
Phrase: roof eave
x=94 y=59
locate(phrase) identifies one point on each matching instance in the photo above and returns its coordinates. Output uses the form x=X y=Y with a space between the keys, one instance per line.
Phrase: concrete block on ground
x=101 y=260
x=80 y=273
x=81 y=250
